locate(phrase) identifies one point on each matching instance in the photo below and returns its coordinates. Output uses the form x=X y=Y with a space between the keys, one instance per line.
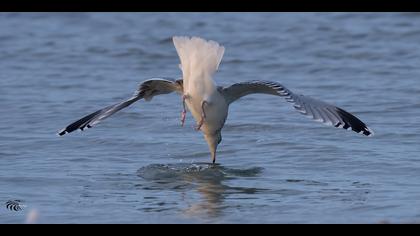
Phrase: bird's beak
x=212 y=141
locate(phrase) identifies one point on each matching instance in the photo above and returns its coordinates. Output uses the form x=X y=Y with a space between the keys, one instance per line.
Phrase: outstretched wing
x=147 y=90
x=316 y=109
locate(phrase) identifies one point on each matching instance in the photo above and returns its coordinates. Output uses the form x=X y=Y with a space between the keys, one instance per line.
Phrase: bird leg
x=203 y=116
x=184 y=110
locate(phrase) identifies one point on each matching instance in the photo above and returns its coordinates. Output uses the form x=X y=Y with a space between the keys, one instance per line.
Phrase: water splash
x=160 y=172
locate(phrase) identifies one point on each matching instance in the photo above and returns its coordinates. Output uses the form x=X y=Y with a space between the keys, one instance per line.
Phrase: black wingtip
x=368 y=132
x=62 y=132
x=353 y=123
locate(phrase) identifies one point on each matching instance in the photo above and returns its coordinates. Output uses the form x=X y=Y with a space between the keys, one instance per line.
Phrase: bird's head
x=213 y=140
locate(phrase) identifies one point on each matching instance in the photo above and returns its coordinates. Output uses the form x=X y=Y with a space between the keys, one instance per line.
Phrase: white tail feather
x=199 y=58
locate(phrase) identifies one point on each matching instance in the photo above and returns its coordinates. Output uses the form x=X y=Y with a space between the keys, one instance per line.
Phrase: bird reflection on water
x=205 y=178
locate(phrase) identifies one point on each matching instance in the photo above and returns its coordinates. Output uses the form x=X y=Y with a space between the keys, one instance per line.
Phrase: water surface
x=274 y=165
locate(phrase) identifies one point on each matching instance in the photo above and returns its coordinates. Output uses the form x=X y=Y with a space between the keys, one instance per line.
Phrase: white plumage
x=209 y=103
x=200 y=59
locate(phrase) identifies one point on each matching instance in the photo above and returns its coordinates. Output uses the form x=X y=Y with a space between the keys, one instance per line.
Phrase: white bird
x=209 y=103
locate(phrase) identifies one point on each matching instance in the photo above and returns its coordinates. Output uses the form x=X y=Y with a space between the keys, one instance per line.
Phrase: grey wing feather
x=147 y=90
x=318 y=110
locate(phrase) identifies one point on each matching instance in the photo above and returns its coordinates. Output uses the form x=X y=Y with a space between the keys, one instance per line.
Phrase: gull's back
x=200 y=59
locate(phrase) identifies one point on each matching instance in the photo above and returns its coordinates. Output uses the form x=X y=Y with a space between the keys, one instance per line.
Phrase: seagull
x=209 y=103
